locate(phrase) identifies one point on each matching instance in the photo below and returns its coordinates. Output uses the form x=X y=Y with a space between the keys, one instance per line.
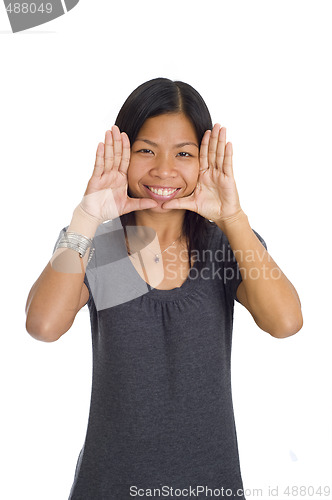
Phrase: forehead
x=170 y=127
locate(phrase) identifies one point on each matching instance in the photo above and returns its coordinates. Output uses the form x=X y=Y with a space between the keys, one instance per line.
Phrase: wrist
x=234 y=221
x=83 y=223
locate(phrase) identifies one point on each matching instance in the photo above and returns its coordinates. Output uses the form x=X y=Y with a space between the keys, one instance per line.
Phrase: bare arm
x=59 y=292
x=265 y=291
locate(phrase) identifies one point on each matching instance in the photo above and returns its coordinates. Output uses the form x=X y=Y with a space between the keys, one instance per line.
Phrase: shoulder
x=216 y=237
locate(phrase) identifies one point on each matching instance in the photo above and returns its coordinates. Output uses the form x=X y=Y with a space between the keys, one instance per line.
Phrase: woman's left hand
x=215 y=196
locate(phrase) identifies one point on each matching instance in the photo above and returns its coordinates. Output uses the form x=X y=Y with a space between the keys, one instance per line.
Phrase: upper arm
x=241 y=295
x=83 y=300
x=84 y=297
x=242 y=298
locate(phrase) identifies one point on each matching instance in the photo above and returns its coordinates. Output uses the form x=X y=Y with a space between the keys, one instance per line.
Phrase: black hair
x=157 y=97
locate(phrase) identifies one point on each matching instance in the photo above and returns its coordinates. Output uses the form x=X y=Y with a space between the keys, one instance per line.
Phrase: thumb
x=186 y=203
x=140 y=204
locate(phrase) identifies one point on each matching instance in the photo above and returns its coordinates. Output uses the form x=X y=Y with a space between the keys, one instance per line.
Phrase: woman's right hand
x=106 y=195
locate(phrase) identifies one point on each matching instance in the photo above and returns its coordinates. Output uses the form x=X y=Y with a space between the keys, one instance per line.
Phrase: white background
x=263 y=69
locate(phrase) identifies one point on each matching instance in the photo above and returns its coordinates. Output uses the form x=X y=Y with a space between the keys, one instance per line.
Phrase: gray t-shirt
x=161 y=412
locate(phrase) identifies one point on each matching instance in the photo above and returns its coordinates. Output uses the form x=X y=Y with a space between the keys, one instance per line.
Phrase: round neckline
x=172 y=293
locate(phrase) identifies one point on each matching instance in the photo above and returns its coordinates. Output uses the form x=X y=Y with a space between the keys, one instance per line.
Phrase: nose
x=164 y=168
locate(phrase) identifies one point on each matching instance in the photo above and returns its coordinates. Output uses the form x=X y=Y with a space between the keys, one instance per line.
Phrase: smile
x=158 y=193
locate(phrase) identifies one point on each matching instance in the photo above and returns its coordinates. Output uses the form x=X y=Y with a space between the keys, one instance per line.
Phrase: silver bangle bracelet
x=76 y=242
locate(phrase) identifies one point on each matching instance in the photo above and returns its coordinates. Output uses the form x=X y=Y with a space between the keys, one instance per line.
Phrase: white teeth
x=162 y=192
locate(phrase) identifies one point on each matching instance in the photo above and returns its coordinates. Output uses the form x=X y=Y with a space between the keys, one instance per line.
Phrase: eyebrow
x=181 y=145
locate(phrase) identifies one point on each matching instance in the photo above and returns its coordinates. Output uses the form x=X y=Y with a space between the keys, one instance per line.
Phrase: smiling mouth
x=161 y=193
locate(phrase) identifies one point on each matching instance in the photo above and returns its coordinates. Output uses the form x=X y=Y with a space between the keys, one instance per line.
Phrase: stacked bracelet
x=76 y=242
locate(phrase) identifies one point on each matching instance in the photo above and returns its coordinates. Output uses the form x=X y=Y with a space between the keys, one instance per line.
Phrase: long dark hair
x=160 y=96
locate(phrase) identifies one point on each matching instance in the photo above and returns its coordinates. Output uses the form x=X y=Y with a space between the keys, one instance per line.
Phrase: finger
x=99 y=163
x=213 y=145
x=203 y=152
x=109 y=154
x=117 y=146
x=228 y=160
x=221 y=148
x=140 y=204
x=186 y=203
x=125 y=159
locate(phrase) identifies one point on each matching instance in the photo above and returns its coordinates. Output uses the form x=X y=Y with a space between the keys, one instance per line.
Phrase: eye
x=144 y=151
x=184 y=154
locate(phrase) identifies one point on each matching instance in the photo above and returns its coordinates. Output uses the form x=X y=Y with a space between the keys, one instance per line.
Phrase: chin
x=160 y=209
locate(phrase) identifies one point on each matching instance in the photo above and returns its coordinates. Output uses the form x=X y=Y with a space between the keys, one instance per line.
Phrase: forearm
x=54 y=298
x=272 y=299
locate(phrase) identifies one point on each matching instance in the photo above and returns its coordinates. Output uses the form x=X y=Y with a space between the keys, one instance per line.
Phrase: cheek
x=132 y=171
x=131 y=176
x=194 y=174
x=136 y=168
x=135 y=173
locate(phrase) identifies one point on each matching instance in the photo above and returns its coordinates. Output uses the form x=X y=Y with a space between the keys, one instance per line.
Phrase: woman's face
x=165 y=154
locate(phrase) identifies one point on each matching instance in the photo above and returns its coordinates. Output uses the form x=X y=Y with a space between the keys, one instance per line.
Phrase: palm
x=106 y=196
x=215 y=196
x=109 y=192
x=214 y=192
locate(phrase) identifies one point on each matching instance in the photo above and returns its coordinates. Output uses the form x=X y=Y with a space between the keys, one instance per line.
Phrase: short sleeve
x=232 y=274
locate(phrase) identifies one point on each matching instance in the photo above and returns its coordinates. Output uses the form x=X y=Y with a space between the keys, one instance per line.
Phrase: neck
x=167 y=226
